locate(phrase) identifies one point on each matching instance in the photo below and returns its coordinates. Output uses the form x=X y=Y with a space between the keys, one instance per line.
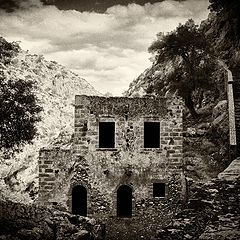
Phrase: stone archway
x=79 y=200
x=124 y=201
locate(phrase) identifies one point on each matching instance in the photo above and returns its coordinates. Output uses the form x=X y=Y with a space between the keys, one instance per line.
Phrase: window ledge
x=160 y=198
x=151 y=149
x=107 y=149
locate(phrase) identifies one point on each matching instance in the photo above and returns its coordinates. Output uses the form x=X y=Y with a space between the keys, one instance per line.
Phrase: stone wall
x=19 y=222
x=213 y=212
x=101 y=171
x=53 y=164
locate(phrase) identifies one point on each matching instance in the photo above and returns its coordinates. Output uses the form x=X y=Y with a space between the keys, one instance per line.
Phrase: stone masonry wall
x=102 y=171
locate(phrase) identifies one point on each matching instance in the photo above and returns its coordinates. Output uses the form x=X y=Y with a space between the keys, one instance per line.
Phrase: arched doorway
x=79 y=200
x=124 y=201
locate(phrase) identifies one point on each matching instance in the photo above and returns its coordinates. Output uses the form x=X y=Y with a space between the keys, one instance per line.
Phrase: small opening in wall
x=106 y=134
x=151 y=134
x=124 y=201
x=159 y=189
x=79 y=200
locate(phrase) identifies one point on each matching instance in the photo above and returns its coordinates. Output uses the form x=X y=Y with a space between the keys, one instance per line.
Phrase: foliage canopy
x=19 y=110
x=190 y=55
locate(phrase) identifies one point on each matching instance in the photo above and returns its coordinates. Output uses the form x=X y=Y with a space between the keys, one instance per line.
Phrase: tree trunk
x=200 y=99
x=190 y=105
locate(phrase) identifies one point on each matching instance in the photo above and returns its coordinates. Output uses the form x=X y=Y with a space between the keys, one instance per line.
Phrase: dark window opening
x=79 y=200
x=151 y=135
x=124 y=201
x=159 y=189
x=106 y=134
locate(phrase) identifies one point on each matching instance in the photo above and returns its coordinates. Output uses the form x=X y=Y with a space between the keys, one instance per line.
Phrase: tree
x=190 y=54
x=19 y=112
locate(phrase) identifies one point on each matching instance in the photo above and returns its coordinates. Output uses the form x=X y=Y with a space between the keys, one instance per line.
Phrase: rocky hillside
x=223 y=30
x=20 y=221
x=143 y=83
x=55 y=89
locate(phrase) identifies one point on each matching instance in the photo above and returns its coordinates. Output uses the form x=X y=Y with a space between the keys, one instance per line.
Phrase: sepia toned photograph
x=119 y=120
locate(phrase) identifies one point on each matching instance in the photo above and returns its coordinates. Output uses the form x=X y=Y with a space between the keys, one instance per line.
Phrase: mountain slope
x=150 y=77
x=55 y=89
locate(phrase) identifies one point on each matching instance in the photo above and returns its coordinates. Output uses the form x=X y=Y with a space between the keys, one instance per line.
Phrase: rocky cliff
x=55 y=89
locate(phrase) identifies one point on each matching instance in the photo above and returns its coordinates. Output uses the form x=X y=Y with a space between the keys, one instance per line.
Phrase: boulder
x=33 y=234
x=220 y=120
x=229 y=234
x=81 y=235
x=219 y=108
x=232 y=172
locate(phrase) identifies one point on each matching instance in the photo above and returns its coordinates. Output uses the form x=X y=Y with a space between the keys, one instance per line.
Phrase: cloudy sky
x=104 y=41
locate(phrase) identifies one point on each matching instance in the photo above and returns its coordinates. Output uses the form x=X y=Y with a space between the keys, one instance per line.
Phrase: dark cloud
x=9 y=5
x=94 y=5
x=13 y=5
x=79 y=5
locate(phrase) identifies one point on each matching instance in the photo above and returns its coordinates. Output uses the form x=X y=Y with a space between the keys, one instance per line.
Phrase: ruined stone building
x=125 y=159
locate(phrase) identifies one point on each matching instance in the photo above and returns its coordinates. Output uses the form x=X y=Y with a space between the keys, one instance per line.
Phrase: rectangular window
x=151 y=134
x=106 y=134
x=159 y=189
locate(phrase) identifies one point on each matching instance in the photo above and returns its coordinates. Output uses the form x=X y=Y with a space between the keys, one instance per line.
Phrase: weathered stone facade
x=101 y=171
